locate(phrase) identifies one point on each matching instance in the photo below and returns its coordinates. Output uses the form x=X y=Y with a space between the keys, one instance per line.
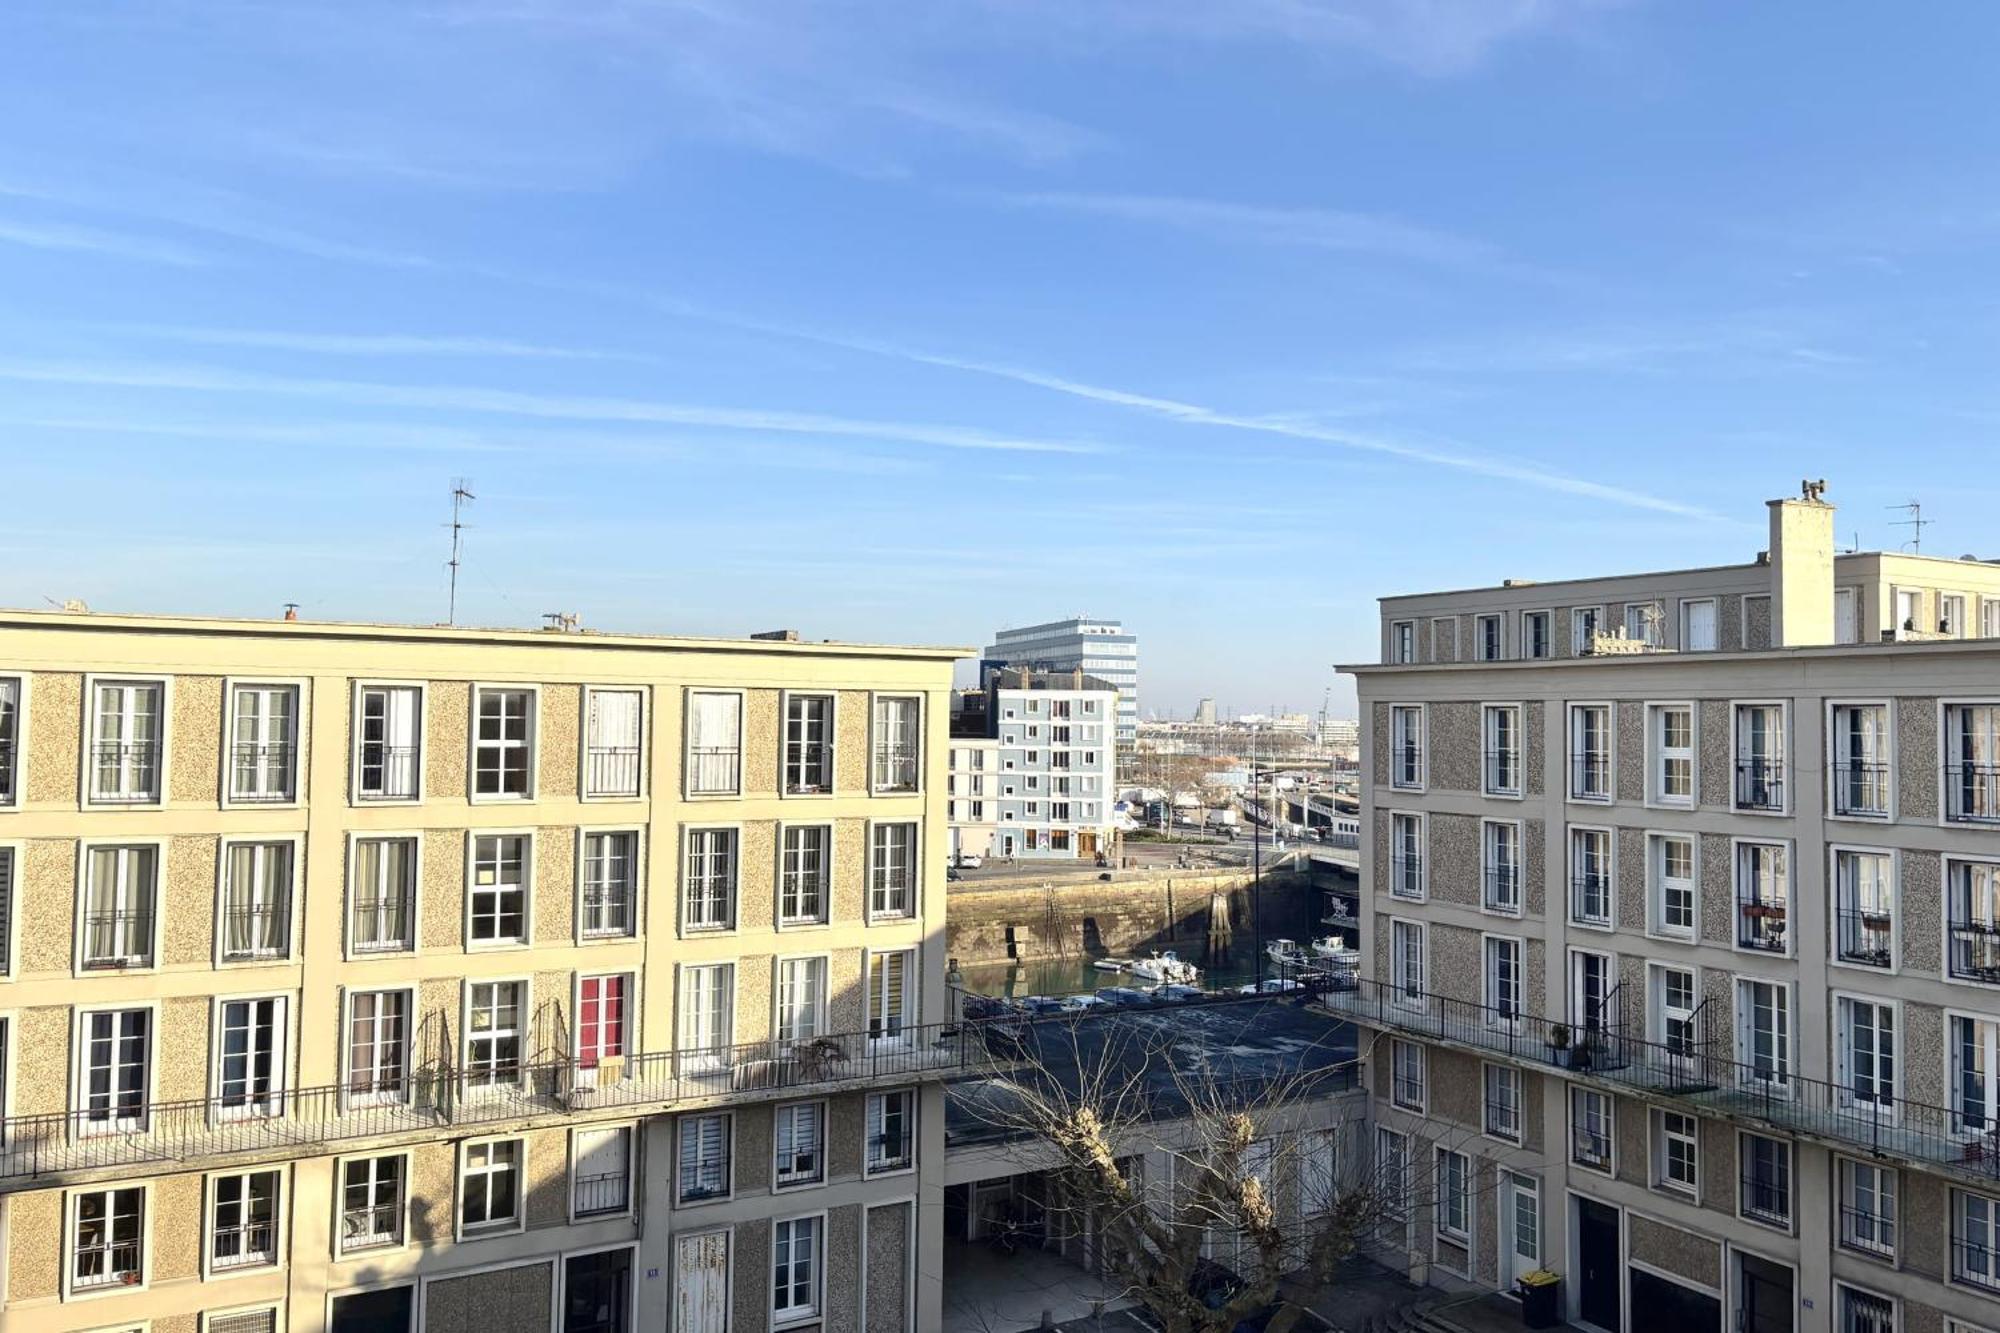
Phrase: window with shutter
x=801 y=1160
x=704 y=1157
x=611 y=743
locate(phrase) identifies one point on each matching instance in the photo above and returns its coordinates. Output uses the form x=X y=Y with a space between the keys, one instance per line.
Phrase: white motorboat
x=1112 y=964
x=1333 y=949
x=1165 y=967
x=1286 y=954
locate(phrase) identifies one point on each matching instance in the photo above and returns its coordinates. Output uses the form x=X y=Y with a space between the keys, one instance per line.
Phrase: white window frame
x=1453 y=1198
x=1401 y=929
x=72 y=1230
x=473 y=889
x=1738 y=864
x=1949 y=868
x=637 y=833
x=1889 y=758
x=13 y=859
x=87 y=792
x=341 y=1248
x=1886 y=1186
x=518 y=1221
x=875 y=741
x=355 y=796
x=13 y=791
x=277 y=1098
x=211 y=1271
x=1685 y=639
x=1737 y=758
x=1952 y=619
x=787 y=1315
x=1492 y=993
x=832 y=744
x=687 y=924
x=1989 y=1119
x=1836 y=885
x=913 y=871
x=1658 y=753
x=532 y=743
x=1402 y=650
x=830 y=840
x=1659 y=1013
x=718 y=1056
x=1548 y=635
x=1848 y=1064
x=523 y=1036
x=1785 y=1042
x=1480 y=623
x=1576 y=753
x=628 y=1019
x=1949 y=756
x=871 y=1115
x=295 y=767
x=1409 y=1076
x=1578 y=1006
x=349 y=1098
x=642 y=758
x=681 y=1198
x=414 y=943
x=691 y=789
x=820 y=964
x=295 y=845
x=1665 y=1137
x=812 y=1111
x=1791 y=1182
x=1489 y=749
x=630 y=1131
x=1579 y=643
x=1577 y=917
x=1421 y=714
x=1843 y=1291
x=1489 y=866
x=1658 y=637
x=1581 y=1099
x=1417 y=820
x=1657 y=925
x=1509 y=1077
x=156 y=909
x=912 y=1016
x=80 y=1070
x=1959 y=1234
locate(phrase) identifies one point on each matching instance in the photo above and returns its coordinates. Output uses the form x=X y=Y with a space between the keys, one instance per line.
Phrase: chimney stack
x=1801 y=559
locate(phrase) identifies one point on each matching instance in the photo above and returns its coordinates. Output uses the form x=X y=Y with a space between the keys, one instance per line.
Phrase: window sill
x=489 y=1230
x=610 y=797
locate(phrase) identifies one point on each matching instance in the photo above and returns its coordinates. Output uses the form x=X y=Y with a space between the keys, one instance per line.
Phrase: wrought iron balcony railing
x=1503 y=889
x=808 y=768
x=607 y=1192
x=1760 y=784
x=895 y=768
x=388 y=772
x=612 y=770
x=259 y=931
x=1590 y=776
x=262 y=773
x=715 y=771
x=117 y=939
x=1865 y=936
x=1861 y=787
x=1503 y=772
x=1692 y=1072
x=1972 y=793
x=126 y=771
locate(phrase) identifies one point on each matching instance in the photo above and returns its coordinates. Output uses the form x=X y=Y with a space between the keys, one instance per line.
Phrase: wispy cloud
x=1317 y=228
x=373 y=344
x=507 y=402
x=92 y=241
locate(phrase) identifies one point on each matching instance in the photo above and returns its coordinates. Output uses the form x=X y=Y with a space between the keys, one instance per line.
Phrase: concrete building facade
x=1682 y=933
x=1050 y=791
x=1100 y=648
x=374 y=977
x=973 y=786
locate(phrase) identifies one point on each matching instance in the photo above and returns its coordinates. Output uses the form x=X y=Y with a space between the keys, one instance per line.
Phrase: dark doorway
x=1598 y=1271
x=1660 y=1306
x=1765 y=1298
x=384 y=1311
x=597 y=1292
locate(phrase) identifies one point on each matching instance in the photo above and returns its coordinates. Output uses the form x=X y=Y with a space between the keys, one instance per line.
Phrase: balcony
x=715 y=771
x=117 y=939
x=1861 y=789
x=1690 y=1074
x=611 y=770
x=1972 y=793
x=261 y=774
x=62 y=1147
x=1760 y=785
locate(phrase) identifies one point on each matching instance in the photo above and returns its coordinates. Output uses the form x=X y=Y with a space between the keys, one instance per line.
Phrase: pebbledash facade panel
x=1682 y=938
x=377 y=977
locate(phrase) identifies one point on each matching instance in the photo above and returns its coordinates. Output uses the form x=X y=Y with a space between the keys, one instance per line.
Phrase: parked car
x=970 y=861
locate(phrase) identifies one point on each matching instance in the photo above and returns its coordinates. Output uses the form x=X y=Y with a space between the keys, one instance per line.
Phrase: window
x=1503 y=749
x=1673 y=1009
x=1974 y=900
x=1646 y=622
x=497 y=899
x=1846 y=624
x=703 y=1152
x=891 y=996
x=378 y=1046
x=493 y=1033
x=1760 y=757
x=489 y=1186
x=1975 y=1074
x=243 y=1221
x=800 y=1132
x=382 y=892
x=1763 y=896
x=1590 y=876
x=1860 y=743
x=1590 y=1128
x=1909 y=612
x=1975 y=1239
x=601 y=1009
x=1503 y=1102
x=1764 y=1028
x=1406 y=962
x=609 y=909
x=1392 y=1166
x=1767 y=1180
x=808 y=744
x=1972 y=763
x=801 y=1000
x=117 y=1057
x=263 y=744
x=1867 y=1207
x=503 y=748
x=1454 y=1208
x=1406 y=856
x=897 y=744
x=388 y=750
x=371 y=1202
x=256 y=901
x=1535 y=640
x=8 y=891
x=1486 y=638
x=710 y=899
x=1590 y=752
x=613 y=731
x=804 y=878
x=10 y=740
x=1503 y=979
x=1989 y=617
x=1865 y=1312
x=127 y=727
x=601 y=1174
x=707 y=1001
x=1406 y=1075
x=1403 y=642
x=1864 y=908
x=795 y=1268
x=1676 y=1152
x=115 y=921
x=1671 y=735
x=1500 y=843
x=1698 y=626
x=891 y=1130
x=1592 y=979
x=250 y=1057
x=1671 y=864
x=1585 y=624
x=107 y=1238
x=892 y=870
x=1406 y=747
x=1951 y=614
x=714 y=744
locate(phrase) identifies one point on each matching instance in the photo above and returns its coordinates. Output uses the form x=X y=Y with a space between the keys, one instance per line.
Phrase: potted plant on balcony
x=1558 y=1044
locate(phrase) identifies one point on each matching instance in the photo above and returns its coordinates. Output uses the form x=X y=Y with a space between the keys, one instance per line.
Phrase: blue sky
x=909 y=321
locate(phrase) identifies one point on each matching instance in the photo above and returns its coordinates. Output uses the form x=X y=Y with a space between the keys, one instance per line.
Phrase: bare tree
x=1168 y=1147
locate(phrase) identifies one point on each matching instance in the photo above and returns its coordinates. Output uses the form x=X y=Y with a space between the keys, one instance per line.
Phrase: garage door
x=1660 y=1306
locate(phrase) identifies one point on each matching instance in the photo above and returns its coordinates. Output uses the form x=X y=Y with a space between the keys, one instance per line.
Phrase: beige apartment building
x=1682 y=938
x=365 y=977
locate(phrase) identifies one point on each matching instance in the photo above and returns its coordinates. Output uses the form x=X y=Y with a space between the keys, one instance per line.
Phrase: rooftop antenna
x=1916 y=523
x=459 y=495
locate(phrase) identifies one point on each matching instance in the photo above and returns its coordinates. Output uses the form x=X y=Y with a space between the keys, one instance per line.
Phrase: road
x=1146 y=858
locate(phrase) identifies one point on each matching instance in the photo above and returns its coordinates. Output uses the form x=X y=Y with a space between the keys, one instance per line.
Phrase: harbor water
x=1075 y=975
